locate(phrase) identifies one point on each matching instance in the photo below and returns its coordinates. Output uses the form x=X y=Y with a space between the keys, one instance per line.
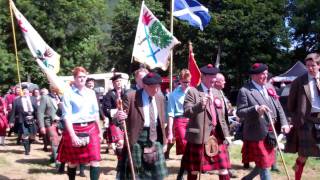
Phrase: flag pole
x=171 y=51
x=15 y=44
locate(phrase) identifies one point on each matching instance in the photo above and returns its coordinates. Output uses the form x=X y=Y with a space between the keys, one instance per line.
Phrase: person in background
x=37 y=95
x=138 y=76
x=177 y=123
x=109 y=106
x=80 y=143
x=24 y=114
x=258 y=106
x=14 y=93
x=304 y=106
x=3 y=120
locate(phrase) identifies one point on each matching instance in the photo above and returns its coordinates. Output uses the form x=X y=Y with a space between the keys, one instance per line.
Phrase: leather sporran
x=212 y=147
x=271 y=139
x=85 y=139
x=29 y=118
x=150 y=155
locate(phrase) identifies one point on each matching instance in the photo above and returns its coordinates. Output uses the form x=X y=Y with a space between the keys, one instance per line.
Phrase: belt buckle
x=83 y=124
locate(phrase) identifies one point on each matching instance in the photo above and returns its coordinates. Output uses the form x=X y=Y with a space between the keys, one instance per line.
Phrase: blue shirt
x=80 y=107
x=146 y=104
x=175 y=102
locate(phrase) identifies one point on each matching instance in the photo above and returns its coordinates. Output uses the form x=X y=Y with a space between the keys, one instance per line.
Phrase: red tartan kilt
x=3 y=124
x=80 y=155
x=193 y=153
x=115 y=134
x=259 y=152
x=180 y=127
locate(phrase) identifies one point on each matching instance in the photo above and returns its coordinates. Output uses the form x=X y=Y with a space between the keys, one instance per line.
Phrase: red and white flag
x=193 y=68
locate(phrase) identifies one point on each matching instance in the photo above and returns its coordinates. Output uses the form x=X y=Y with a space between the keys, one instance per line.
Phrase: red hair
x=77 y=70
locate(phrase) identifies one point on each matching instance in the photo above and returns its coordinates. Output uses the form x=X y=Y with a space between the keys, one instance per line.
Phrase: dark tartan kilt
x=157 y=171
x=52 y=131
x=27 y=129
x=193 y=153
x=303 y=141
x=259 y=152
x=180 y=127
x=80 y=155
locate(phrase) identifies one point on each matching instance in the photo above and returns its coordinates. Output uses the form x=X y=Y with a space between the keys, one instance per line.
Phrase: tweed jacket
x=201 y=118
x=255 y=128
x=301 y=138
x=133 y=105
x=17 y=113
x=46 y=111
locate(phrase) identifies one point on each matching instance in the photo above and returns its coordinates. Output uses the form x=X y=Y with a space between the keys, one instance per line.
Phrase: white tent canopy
x=295 y=71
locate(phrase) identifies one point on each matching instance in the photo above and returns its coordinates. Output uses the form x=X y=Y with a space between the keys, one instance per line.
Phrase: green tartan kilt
x=143 y=171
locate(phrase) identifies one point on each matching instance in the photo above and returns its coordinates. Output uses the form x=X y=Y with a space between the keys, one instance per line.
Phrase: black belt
x=83 y=123
x=181 y=116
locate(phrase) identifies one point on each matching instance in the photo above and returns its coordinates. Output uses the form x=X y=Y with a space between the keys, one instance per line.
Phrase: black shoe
x=61 y=168
x=246 y=166
x=275 y=169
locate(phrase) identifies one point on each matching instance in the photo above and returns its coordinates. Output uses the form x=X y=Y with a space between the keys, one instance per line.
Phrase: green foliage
x=74 y=29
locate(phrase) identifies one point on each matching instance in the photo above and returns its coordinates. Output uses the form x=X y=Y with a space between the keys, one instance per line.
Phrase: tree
x=246 y=30
x=304 y=21
x=74 y=29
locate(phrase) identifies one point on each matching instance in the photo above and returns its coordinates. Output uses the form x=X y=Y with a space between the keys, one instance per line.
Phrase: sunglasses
x=186 y=82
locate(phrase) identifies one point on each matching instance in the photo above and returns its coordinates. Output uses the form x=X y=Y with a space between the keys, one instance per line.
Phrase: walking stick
x=202 y=155
x=120 y=107
x=278 y=147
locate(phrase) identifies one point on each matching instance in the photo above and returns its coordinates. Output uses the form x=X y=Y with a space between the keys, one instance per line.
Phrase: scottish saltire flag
x=192 y=11
x=153 y=41
x=38 y=47
x=46 y=57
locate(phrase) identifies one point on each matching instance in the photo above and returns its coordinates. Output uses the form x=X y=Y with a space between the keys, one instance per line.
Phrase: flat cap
x=151 y=78
x=115 y=77
x=209 y=69
x=257 y=68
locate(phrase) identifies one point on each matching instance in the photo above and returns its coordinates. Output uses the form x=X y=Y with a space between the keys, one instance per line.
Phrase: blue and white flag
x=192 y=11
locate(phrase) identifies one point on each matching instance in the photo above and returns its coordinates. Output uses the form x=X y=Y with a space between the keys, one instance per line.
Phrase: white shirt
x=146 y=104
x=315 y=99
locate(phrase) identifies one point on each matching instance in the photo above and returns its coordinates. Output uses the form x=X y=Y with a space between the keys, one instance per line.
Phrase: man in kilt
x=144 y=115
x=23 y=116
x=109 y=107
x=207 y=129
x=80 y=141
x=255 y=100
x=304 y=106
x=177 y=123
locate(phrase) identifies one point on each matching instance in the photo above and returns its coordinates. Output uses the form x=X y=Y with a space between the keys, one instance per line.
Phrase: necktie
x=212 y=109
x=153 y=127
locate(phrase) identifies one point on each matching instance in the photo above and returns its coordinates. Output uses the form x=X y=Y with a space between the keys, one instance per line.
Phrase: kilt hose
x=3 y=124
x=192 y=157
x=156 y=171
x=259 y=152
x=80 y=155
x=180 y=127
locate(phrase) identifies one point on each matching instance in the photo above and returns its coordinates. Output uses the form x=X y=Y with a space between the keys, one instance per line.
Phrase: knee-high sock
x=265 y=174
x=26 y=145
x=298 y=169
x=81 y=168
x=192 y=176
x=181 y=171
x=94 y=173
x=72 y=173
x=255 y=171
x=224 y=177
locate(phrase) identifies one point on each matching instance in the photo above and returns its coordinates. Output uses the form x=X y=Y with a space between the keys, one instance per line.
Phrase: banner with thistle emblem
x=38 y=47
x=153 y=41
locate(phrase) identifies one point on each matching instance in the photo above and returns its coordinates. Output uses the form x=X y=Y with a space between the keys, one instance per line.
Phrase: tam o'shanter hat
x=209 y=69
x=257 y=68
x=152 y=78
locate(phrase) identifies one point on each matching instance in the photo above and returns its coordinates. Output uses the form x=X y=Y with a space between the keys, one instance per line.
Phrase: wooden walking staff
x=278 y=147
x=120 y=107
